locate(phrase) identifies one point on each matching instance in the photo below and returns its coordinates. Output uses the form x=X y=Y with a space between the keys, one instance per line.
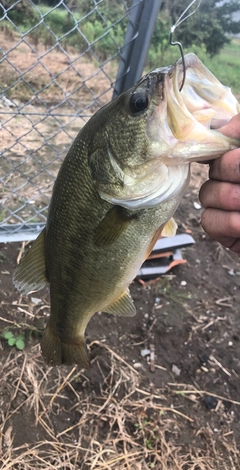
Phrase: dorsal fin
x=30 y=275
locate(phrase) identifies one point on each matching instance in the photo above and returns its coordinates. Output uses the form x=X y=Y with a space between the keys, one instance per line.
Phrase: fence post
x=139 y=32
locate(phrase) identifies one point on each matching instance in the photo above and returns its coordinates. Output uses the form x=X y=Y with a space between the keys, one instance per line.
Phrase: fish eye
x=138 y=102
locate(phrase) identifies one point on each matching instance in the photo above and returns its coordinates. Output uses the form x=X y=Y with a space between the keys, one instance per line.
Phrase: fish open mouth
x=210 y=103
x=181 y=127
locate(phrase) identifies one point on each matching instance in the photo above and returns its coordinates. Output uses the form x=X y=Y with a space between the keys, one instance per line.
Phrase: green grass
x=165 y=289
x=2 y=215
x=58 y=20
x=70 y=29
x=225 y=66
x=58 y=23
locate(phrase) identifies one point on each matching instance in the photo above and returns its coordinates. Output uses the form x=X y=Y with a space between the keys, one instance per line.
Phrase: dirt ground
x=183 y=414
x=44 y=111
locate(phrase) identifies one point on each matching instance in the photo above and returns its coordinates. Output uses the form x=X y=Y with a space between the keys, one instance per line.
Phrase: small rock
x=5 y=102
x=192 y=397
x=145 y=352
x=35 y=300
x=183 y=283
x=176 y=370
x=137 y=365
x=197 y=205
x=203 y=357
x=210 y=402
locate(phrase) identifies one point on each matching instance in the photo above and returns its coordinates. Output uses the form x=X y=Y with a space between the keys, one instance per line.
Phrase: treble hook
x=179 y=44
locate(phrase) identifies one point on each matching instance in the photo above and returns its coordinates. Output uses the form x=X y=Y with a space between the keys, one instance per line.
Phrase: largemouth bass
x=116 y=193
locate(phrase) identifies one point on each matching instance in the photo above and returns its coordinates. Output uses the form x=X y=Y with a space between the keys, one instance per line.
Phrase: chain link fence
x=59 y=64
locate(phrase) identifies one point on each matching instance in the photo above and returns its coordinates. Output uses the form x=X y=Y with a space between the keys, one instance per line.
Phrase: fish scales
x=81 y=254
x=116 y=193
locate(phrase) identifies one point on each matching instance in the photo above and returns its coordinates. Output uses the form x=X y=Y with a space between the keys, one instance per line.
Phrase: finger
x=222 y=225
x=232 y=128
x=220 y=195
x=232 y=244
x=236 y=247
x=226 y=168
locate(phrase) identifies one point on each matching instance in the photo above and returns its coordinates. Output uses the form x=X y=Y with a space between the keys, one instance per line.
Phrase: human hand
x=220 y=195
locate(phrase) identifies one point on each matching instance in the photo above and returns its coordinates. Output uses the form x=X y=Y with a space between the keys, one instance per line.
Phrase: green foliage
x=22 y=13
x=209 y=25
x=226 y=66
x=149 y=444
x=165 y=289
x=2 y=214
x=94 y=32
x=17 y=340
x=89 y=29
x=147 y=426
x=58 y=20
x=111 y=10
x=105 y=43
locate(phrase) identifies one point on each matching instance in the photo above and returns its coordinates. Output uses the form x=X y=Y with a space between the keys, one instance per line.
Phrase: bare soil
x=120 y=414
x=50 y=96
x=179 y=411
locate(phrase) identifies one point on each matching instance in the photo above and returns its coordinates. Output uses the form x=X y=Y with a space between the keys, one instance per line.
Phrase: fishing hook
x=179 y=44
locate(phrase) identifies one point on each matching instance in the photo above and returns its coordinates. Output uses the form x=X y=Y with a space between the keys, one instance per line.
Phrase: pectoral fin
x=30 y=275
x=169 y=230
x=123 y=306
x=112 y=226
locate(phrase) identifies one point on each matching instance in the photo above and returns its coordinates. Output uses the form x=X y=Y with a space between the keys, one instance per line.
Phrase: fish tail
x=56 y=352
